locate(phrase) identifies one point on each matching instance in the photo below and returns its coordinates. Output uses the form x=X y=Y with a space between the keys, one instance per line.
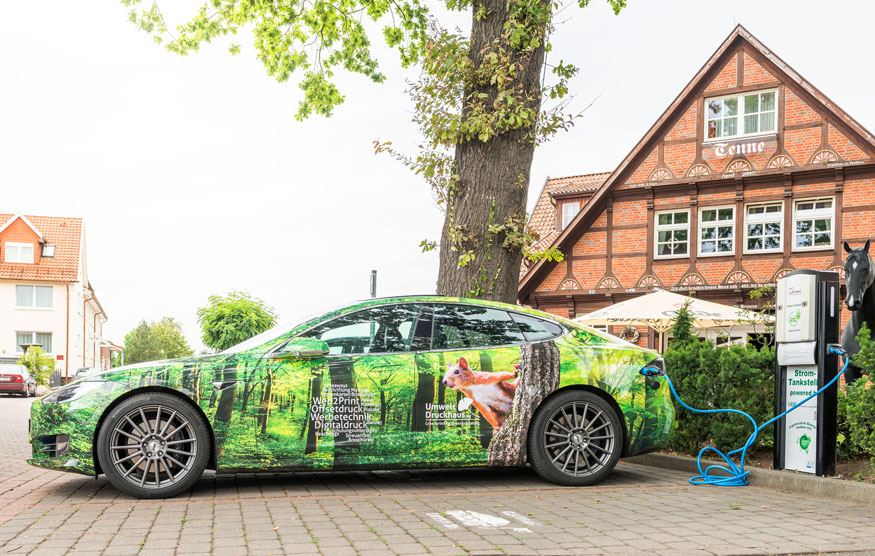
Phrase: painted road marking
x=443 y=521
x=483 y=521
x=521 y=518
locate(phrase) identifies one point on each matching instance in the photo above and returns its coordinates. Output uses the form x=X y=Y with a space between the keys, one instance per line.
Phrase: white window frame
x=717 y=224
x=33 y=334
x=814 y=214
x=657 y=227
x=9 y=244
x=568 y=205
x=739 y=116
x=34 y=307
x=765 y=218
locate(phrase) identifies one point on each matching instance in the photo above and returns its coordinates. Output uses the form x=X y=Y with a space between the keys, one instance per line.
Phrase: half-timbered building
x=750 y=173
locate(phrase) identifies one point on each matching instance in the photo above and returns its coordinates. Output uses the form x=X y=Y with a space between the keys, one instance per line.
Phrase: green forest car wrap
x=447 y=408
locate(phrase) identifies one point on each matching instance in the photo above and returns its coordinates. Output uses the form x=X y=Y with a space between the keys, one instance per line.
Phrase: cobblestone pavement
x=638 y=510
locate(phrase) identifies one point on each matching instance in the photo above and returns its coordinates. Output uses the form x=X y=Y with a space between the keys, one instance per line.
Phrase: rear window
x=535 y=329
x=13 y=370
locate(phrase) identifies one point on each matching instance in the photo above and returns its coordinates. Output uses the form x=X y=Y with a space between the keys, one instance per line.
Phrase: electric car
x=405 y=382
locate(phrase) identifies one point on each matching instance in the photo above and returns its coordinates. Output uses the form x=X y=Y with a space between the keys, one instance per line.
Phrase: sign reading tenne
x=722 y=150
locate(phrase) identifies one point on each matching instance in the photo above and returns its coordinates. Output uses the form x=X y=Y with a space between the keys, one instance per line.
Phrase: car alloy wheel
x=579 y=439
x=154 y=445
x=575 y=438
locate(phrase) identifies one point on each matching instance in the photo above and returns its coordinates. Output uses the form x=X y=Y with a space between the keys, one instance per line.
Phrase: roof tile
x=543 y=219
x=62 y=232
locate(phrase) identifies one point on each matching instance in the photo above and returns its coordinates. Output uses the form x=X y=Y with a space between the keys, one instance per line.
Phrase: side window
x=472 y=326
x=384 y=329
x=535 y=329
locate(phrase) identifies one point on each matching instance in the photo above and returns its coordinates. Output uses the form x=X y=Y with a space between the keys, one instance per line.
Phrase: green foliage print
x=273 y=411
x=594 y=360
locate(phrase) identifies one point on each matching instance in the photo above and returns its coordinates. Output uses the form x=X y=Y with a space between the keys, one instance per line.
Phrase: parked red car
x=15 y=379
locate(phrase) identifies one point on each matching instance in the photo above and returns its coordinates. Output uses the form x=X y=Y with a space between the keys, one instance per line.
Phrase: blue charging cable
x=735 y=475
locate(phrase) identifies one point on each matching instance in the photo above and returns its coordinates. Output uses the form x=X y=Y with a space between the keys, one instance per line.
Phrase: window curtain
x=24 y=296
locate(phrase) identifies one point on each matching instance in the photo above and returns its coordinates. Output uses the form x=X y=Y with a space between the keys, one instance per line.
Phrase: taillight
x=17 y=378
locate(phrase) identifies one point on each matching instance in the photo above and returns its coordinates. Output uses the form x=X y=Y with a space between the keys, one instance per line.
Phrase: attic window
x=740 y=115
x=48 y=251
x=18 y=252
x=569 y=211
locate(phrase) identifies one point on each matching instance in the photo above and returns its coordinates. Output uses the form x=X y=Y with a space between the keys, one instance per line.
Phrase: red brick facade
x=809 y=150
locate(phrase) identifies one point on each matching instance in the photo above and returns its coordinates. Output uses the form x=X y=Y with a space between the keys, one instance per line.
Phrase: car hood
x=144 y=365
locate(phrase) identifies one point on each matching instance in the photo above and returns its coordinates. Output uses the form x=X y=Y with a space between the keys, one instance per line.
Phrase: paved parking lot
x=639 y=510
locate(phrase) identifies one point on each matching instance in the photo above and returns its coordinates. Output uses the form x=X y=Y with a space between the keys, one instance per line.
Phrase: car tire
x=575 y=438
x=153 y=445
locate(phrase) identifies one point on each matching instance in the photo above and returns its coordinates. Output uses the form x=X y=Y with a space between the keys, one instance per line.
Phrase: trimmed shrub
x=856 y=425
x=707 y=377
x=39 y=364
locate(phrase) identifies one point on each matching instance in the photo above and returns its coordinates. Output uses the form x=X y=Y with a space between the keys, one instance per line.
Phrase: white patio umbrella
x=659 y=309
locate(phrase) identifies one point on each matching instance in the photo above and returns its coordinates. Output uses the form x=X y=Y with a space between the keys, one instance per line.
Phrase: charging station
x=807 y=321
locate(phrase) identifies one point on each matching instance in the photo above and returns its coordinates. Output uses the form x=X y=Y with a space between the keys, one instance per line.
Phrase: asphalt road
x=638 y=510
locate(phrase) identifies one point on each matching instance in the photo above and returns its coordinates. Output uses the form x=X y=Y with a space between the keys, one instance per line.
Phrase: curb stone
x=786 y=481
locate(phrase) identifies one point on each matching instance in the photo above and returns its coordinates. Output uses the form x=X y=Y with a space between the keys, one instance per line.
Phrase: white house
x=46 y=297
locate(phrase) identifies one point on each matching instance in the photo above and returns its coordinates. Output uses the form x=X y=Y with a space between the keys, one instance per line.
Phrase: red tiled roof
x=577 y=184
x=64 y=233
x=543 y=219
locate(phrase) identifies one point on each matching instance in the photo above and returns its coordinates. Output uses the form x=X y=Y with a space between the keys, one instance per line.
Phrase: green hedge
x=856 y=423
x=707 y=377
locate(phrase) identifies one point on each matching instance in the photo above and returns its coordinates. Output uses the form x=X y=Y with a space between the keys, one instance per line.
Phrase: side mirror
x=302 y=348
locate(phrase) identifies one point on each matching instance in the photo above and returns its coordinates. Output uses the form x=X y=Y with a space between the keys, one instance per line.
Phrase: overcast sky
x=195 y=179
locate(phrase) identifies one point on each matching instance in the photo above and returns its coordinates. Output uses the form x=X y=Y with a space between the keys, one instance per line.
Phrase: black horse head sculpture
x=859 y=275
x=859 y=278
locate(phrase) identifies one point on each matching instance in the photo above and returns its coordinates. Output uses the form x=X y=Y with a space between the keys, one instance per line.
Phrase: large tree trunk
x=493 y=175
x=539 y=377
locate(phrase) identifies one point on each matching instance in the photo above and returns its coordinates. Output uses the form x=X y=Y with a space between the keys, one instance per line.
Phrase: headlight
x=74 y=391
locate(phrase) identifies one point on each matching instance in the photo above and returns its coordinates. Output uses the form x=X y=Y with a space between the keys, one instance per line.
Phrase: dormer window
x=569 y=211
x=18 y=252
x=48 y=251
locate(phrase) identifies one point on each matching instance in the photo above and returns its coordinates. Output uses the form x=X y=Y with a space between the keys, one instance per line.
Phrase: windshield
x=274 y=332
